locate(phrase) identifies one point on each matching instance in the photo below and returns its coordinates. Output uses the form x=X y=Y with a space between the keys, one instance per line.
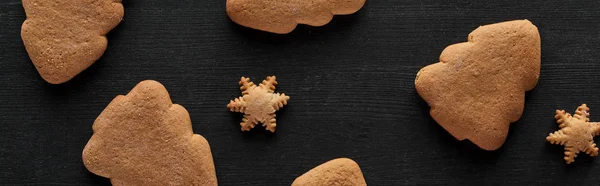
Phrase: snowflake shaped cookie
x=576 y=133
x=258 y=103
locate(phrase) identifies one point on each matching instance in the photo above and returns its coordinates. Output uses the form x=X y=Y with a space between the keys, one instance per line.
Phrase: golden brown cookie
x=576 y=133
x=282 y=16
x=64 y=37
x=144 y=139
x=337 y=172
x=478 y=87
x=258 y=103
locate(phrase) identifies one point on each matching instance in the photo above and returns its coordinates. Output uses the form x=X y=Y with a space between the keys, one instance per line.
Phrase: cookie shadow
x=77 y=84
x=97 y=180
x=464 y=150
x=302 y=33
x=575 y=173
x=257 y=133
x=444 y=138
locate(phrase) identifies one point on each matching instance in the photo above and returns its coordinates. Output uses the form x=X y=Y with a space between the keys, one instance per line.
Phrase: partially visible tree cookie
x=144 y=139
x=64 y=37
x=258 y=103
x=576 y=133
x=478 y=87
x=282 y=16
x=337 y=172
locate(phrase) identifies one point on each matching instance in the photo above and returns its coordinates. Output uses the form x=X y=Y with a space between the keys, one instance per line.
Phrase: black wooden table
x=351 y=85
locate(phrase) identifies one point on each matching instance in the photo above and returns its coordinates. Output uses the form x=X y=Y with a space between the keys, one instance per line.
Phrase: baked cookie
x=576 y=133
x=258 y=103
x=337 y=172
x=478 y=87
x=282 y=16
x=144 y=139
x=64 y=37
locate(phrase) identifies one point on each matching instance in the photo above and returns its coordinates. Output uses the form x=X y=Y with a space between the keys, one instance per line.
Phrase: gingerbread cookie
x=258 y=103
x=337 y=172
x=282 y=16
x=144 y=139
x=64 y=37
x=478 y=87
x=576 y=133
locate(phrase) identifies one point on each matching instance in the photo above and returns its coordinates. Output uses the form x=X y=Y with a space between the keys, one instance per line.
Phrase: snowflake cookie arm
x=246 y=85
x=570 y=154
x=592 y=150
x=595 y=129
x=582 y=113
x=247 y=124
x=270 y=123
x=269 y=84
x=237 y=105
x=562 y=118
x=279 y=101
x=558 y=138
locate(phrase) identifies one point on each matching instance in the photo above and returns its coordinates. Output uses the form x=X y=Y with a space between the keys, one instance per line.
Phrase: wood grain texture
x=351 y=85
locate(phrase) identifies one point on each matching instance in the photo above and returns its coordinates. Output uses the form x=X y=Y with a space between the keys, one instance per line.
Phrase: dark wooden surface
x=350 y=82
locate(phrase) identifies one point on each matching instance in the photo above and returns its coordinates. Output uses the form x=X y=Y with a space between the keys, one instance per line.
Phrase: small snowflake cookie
x=576 y=133
x=258 y=103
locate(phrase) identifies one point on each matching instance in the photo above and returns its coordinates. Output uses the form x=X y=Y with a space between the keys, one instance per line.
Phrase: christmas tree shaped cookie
x=142 y=138
x=478 y=87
